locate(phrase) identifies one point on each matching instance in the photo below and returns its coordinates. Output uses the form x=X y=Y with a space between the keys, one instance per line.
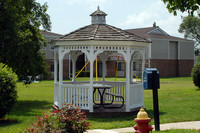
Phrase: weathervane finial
x=98 y=8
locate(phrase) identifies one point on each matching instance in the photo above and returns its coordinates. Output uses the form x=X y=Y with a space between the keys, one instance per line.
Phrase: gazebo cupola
x=98 y=17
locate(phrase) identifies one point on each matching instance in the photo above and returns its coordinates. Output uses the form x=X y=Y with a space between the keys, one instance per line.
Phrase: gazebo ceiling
x=100 y=32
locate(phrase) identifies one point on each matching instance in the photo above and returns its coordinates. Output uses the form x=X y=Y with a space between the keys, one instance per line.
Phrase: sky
x=69 y=15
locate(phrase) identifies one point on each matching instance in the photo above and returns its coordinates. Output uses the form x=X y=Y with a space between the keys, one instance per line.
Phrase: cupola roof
x=98 y=12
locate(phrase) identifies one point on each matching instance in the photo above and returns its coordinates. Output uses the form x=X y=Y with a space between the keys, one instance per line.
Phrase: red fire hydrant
x=142 y=121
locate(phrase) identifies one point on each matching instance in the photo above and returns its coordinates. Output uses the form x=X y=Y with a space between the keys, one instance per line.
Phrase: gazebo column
x=104 y=71
x=73 y=70
x=60 y=71
x=131 y=71
x=143 y=66
x=55 y=79
x=61 y=91
x=91 y=59
x=74 y=57
x=128 y=59
x=55 y=67
x=104 y=57
x=91 y=86
x=143 y=62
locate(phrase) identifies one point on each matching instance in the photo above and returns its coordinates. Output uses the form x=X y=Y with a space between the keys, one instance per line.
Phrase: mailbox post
x=151 y=81
x=155 y=100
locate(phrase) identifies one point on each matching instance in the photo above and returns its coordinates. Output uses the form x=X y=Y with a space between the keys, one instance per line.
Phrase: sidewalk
x=180 y=125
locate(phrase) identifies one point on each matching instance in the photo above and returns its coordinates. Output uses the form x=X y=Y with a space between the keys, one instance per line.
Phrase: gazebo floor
x=111 y=112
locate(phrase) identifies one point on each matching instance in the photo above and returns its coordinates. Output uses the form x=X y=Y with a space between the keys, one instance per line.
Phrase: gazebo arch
x=97 y=39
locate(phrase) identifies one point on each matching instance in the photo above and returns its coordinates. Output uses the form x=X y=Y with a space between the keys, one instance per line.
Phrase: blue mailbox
x=147 y=78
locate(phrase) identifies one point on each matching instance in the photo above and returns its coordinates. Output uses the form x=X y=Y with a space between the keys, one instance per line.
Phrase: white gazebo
x=102 y=40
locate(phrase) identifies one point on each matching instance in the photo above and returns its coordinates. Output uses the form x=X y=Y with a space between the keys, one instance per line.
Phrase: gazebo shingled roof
x=100 y=32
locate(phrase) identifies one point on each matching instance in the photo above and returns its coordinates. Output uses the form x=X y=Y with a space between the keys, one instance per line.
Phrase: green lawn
x=178 y=101
x=32 y=100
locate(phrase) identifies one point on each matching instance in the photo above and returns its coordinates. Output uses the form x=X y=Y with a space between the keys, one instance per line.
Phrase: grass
x=32 y=100
x=178 y=101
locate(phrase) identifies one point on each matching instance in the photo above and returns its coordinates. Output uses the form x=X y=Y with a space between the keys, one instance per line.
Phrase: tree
x=190 y=27
x=20 y=38
x=196 y=73
x=154 y=24
x=183 y=5
x=8 y=92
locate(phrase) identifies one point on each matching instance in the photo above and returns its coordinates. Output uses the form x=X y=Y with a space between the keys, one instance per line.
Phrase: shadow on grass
x=127 y=117
x=151 y=113
x=25 y=108
x=7 y=122
x=30 y=108
x=111 y=119
x=198 y=89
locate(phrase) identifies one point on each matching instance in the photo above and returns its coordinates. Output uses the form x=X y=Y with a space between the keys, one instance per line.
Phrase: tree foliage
x=196 y=73
x=20 y=38
x=183 y=5
x=8 y=92
x=190 y=27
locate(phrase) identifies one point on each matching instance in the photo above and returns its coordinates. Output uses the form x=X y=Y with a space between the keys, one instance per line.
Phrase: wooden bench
x=115 y=95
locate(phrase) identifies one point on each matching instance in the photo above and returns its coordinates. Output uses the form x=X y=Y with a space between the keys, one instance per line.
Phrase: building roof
x=49 y=33
x=101 y=33
x=153 y=32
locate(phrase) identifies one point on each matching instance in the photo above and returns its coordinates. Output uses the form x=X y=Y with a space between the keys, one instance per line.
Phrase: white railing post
x=56 y=88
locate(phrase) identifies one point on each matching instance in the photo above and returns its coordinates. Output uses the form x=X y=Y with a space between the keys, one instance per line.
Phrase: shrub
x=8 y=92
x=196 y=73
x=68 y=119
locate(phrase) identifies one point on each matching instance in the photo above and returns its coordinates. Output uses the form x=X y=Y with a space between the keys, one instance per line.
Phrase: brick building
x=172 y=56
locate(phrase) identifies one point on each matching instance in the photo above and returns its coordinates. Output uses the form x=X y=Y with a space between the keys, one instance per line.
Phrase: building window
x=120 y=66
x=52 y=66
x=52 y=47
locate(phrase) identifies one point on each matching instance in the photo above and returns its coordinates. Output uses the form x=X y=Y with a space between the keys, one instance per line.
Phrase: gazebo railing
x=117 y=88
x=76 y=94
x=136 y=95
